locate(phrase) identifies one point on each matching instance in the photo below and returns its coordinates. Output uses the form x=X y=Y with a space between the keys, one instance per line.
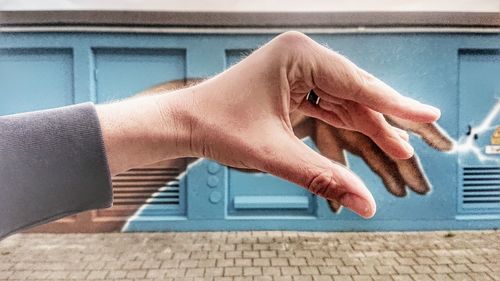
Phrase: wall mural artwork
x=398 y=176
x=487 y=134
x=450 y=183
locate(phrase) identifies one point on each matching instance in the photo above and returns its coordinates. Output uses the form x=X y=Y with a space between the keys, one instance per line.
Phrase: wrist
x=176 y=123
x=145 y=130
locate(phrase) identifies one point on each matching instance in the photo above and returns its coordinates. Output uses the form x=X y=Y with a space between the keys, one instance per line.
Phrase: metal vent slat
x=147 y=186
x=480 y=189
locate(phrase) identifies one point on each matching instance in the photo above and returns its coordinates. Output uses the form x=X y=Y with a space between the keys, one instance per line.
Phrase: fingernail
x=404 y=135
x=358 y=205
x=434 y=110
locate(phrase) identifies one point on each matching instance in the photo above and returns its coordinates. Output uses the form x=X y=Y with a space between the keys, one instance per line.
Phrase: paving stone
x=309 y=270
x=328 y=270
x=297 y=261
x=271 y=271
x=4 y=275
x=252 y=271
x=261 y=262
x=268 y=254
x=347 y=270
x=302 y=278
x=135 y=274
x=460 y=277
x=116 y=274
x=401 y=278
x=279 y=262
x=342 y=278
x=385 y=269
x=362 y=278
x=423 y=269
x=382 y=278
x=481 y=276
x=253 y=256
x=213 y=272
x=243 y=278
x=207 y=263
x=478 y=267
x=459 y=268
x=334 y=261
x=262 y=278
x=289 y=270
x=421 y=277
x=225 y=262
x=322 y=278
x=282 y=278
x=233 y=271
x=94 y=274
x=441 y=268
x=79 y=274
x=316 y=261
x=403 y=269
x=152 y=273
x=243 y=262
x=366 y=269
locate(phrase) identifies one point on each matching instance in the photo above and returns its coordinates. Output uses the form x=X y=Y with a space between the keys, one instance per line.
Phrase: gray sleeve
x=52 y=164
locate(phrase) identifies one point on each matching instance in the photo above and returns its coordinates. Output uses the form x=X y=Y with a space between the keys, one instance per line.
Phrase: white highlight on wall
x=467 y=144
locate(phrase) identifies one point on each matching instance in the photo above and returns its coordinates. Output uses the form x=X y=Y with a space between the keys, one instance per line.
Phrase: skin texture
x=241 y=118
x=396 y=174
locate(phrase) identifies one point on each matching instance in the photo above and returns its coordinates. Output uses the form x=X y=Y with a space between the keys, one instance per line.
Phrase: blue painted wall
x=457 y=72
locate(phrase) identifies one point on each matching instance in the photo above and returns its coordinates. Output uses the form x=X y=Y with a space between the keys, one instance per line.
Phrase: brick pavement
x=253 y=256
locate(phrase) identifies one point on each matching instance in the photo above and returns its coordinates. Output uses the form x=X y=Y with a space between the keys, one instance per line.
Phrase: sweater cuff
x=52 y=164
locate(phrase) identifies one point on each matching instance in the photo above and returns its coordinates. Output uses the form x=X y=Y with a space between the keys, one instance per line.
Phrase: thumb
x=294 y=161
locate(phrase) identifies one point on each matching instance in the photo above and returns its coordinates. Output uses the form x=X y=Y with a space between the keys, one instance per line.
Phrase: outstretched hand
x=241 y=118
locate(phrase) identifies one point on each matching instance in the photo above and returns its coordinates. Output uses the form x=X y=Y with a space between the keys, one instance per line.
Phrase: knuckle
x=293 y=36
x=360 y=82
x=322 y=184
x=293 y=40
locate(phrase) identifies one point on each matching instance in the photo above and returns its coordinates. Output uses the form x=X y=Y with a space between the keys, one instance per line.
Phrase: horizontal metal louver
x=480 y=188
x=154 y=186
x=136 y=187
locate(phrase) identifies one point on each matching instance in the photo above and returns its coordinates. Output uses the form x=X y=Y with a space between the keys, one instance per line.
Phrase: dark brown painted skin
x=332 y=143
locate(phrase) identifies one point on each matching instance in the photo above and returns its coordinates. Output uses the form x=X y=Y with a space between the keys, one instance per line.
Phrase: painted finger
x=378 y=161
x=354 y=116
x=374 y=125
x=431 y=133
x=414 y=176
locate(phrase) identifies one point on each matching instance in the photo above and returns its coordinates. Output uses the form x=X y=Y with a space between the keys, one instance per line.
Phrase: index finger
x=338 y=76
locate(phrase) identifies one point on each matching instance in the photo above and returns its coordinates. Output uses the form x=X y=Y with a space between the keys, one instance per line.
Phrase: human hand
x=332 y=142
x=396 y=174
x=241 y=118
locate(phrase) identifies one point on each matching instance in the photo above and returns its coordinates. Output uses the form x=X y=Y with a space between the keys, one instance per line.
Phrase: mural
x=451 y=183
x=398 y=175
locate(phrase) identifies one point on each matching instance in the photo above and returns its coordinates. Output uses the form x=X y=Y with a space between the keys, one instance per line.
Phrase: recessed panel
x=479 y=142
x=33 y=79
x=121 y=73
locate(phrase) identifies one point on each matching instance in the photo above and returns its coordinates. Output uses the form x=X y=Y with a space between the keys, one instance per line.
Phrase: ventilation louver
x=480 y=189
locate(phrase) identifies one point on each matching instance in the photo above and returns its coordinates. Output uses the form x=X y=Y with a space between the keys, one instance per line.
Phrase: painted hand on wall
x=396 y=174
x=241 y=118
x=332 y=142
